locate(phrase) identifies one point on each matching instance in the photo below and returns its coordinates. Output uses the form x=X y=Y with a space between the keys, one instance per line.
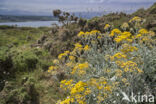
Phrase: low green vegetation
x=26 y=54
x=11 y=35
x=19 y=58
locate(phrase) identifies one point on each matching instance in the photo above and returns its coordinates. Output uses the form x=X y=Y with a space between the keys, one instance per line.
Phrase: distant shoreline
x=9 y=18
x=30 y=23
x=25 y=21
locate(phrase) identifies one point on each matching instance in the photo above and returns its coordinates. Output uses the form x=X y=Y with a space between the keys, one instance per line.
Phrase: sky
x=46 y=6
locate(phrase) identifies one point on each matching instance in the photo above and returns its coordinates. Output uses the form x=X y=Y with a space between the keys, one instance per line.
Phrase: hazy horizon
x=45 y=7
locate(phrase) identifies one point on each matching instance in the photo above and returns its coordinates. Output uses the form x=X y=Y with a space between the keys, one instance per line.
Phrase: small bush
x=14 y=94
x=26 y=60
x=5 y=65
x=103 y=66
x=7 y=27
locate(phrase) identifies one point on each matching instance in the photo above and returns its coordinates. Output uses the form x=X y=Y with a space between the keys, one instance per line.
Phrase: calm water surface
x=32 y=24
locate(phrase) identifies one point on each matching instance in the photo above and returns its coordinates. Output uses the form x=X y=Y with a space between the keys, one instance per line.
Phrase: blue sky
x=46 y=6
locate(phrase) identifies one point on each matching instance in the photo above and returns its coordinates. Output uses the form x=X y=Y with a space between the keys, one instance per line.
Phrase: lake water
x=32 y=24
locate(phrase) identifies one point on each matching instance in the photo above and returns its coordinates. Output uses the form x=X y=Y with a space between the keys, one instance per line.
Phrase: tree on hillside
x=64 y=17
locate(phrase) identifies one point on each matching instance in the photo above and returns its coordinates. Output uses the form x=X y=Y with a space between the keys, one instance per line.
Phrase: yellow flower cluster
x=72 y=58
x=102 y=86
x=86 y=34
x=80 y=68
x=115 y=32
x=52 y=68
x=62 y=55
x=94 y=32
x=135 y=19
x=118 y=72
x=78 y=92
x=81 y=33
x=143 y=31
x=125 y=36
x=71 y=55
x=78 y=88
x=125 y=81
x=123 y=59
x=83 y=65
x=66 y=84
x=126 y=48
x=79 y=47
x=145 y=36
x=130 y=66
x=69 y=100
x=116 y=56
x=86 y=48
x=99 y=83
x=138 y=35
x=107 y=26
x=119 y=55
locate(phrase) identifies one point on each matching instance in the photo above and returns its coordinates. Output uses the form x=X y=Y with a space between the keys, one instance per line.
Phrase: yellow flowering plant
x=101 y=66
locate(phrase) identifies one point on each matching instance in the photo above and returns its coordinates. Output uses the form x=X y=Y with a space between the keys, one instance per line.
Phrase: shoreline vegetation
x=86 y=61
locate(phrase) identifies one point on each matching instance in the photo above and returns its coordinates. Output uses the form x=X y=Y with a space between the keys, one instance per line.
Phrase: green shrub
x=5 y=65
x=4 y=27
x=150 y=69
x=15 y=93
x=3 y=51
x=25 y=60
x=45 y=65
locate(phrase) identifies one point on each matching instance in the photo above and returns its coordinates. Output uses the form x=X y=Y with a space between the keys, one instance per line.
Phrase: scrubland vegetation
x=102 y=66
x=94 y=61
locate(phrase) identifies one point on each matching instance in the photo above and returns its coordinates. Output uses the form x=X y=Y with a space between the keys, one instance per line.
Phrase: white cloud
x=97 y=1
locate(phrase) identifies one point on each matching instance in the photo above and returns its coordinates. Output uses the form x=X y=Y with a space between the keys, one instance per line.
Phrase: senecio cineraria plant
x=105 y=68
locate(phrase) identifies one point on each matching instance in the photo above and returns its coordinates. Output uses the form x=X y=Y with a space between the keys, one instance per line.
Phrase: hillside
x=93 y=61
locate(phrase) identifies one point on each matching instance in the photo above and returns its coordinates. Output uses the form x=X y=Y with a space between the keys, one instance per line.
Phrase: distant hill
x=116 y=19
x=9 y=18
x=150 y=16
